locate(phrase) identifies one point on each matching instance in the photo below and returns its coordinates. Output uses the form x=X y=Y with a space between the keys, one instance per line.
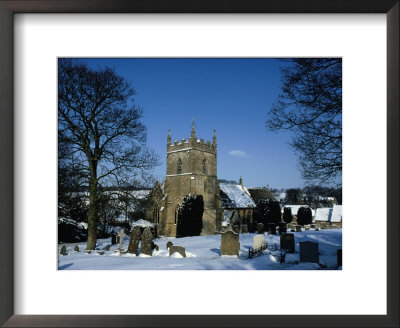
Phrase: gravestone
x=134 y=241
x=236 y=228
x=121 y=236
x=287 y=242
x=244 y=228
x=271 y=229
x=282 y=228
x=108 y=247
x=260 y=228
x=230 y=243
x=313 y=226
x=169 y=244
x=309 y=252
x=76 y=248
x=177 y=249
x=298 y=228
x=63 y=250
x=259 y=241
x=339 y=257
x=113 y=238
x=147 y=238
x=292 y=230
x=307 y=228
x=316 y=229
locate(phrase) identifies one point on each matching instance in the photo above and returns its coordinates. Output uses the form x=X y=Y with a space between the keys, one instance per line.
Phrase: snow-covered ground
x=203 y=253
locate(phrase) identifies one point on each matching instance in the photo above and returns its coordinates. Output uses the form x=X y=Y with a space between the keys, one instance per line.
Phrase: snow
x=203 y=253
x=323 y=214
x=328 y=214
x=239 y=197
x=336 y=213
x=142 y=223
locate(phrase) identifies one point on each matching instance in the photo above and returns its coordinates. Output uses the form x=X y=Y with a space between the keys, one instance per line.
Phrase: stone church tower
x=191 y=169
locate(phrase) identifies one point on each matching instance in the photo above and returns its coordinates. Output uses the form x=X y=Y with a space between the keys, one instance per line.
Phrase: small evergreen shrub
x=287 y=215
x=304 y=216
x=190 y=216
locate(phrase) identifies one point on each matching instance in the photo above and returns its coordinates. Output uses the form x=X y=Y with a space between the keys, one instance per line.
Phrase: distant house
x=236 y=203
x=331 y=215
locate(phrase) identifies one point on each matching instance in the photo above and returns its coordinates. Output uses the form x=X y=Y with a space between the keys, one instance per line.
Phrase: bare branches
x=310 y=105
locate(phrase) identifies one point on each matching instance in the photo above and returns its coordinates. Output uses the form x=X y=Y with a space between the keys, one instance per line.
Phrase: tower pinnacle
x=169 y=137
x=214 y=139
x=193 y=133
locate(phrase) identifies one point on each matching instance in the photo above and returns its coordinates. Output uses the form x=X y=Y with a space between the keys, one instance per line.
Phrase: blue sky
x=231 y=96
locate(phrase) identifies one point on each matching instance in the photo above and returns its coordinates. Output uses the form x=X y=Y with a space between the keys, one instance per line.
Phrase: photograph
x=199 y=163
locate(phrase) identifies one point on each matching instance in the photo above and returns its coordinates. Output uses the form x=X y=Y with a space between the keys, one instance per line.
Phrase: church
x=191 y=169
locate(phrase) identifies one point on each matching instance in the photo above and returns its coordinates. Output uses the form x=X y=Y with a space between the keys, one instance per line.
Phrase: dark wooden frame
x=9 y=7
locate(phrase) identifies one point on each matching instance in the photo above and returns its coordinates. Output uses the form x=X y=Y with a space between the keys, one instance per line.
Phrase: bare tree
x=99 y=132
x=310 y=105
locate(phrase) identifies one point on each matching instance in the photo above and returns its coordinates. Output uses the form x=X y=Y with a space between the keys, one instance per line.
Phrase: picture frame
x=8 y=8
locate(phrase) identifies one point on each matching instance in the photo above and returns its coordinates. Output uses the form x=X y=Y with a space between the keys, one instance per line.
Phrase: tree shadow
x=216 y=250
x=65 y=266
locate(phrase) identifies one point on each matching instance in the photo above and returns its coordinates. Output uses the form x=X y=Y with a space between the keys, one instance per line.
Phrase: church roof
x=235 y=196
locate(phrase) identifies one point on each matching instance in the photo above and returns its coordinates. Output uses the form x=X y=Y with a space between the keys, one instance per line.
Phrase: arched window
x=156 y=215
x=176 y=214
x=204 y=166
x=179 y=167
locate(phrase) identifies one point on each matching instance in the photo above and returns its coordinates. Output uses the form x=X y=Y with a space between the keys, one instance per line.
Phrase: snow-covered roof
x=329 y=214
x=280 y=196
x=337 y=213
x=323 y=214
x=142 y=223
x=237 y=196
x=295 y=208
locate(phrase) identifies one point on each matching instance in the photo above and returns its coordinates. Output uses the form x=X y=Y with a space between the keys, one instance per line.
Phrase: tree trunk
x=93 y=209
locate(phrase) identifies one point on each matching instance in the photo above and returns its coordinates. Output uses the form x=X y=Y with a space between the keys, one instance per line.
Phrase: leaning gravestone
x=76 y=248
x=259 y=242
x=287 y=242
x=169 y=244
x=244 y=228
x=63 y=250
x=339 y=257
x=230 y=243
x=177 y=249
x=282 y=228
x=260 y=228
x=309 y=252
x=113 y=238
x=134 y=241
x=236 y=228
x=121 y=236
x=147 y=238
x=271 y=229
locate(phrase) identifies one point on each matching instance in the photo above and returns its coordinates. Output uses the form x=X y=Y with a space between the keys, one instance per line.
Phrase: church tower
x=191 y=169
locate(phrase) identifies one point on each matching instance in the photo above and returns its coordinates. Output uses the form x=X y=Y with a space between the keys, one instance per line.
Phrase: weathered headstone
x=298 y=228
x=121 y=236
x=236 y=228
x=113 y=238
x=282 y=228
x=271 y=229
x=307 y=228
x=339 y=257
x=134 y=241
x=259 y=241
x=260 y=228
x=316 y=229
x=230 y=243
x=312 y=226
x=287 y=242
x=309 y=252
x=244 y=228
x=63 y=250
x=108 y=247
x=177 y=249
x=76 y=248
x=147 y=238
